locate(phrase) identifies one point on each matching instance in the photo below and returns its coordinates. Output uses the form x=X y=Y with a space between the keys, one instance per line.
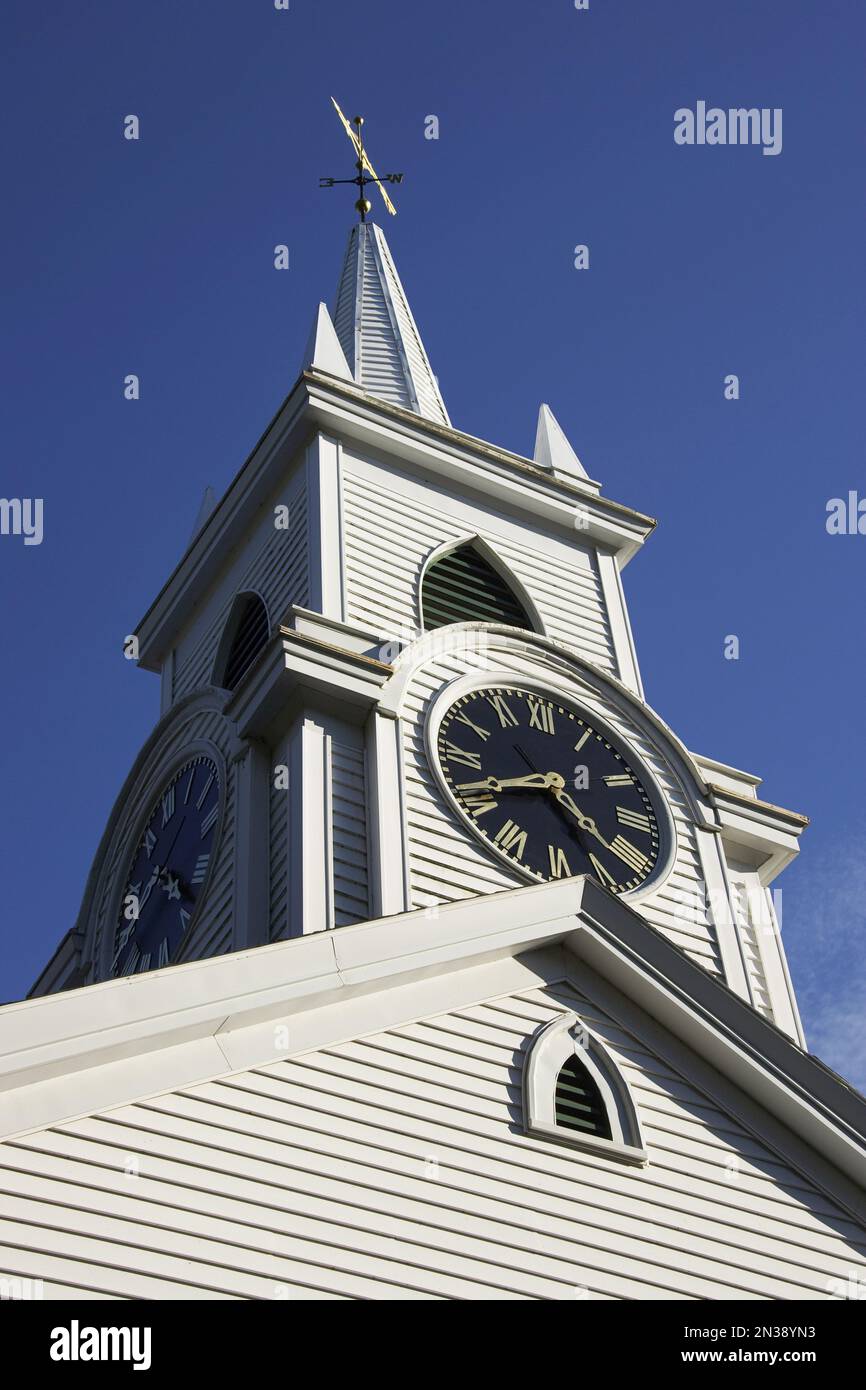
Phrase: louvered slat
x=462 y=587
x=578 y=1101
x=249 y=639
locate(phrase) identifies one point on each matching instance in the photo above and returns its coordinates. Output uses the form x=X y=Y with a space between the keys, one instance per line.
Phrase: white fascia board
x=726 y=1032
x=120 y=1040
x=286 y=435
x=116 y=1042
x=732 y=778
x=770 y=832
x=474 y=466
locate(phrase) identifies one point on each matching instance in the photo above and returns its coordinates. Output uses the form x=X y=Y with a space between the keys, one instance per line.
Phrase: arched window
x=244 y=636
x=574 y=1093
x=462 y=586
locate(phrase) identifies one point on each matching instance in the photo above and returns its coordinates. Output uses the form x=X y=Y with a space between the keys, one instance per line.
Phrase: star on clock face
x=168 y=870
x=546 y=790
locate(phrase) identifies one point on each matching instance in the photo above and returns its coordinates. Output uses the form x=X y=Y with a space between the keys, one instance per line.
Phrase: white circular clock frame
x=548 y=689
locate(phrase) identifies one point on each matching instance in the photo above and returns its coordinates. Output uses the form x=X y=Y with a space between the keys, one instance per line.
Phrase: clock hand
x=152 y=882
x=585 y=822
x=536 y=781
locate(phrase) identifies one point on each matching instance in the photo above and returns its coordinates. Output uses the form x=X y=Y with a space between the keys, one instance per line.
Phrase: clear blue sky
x=556 y=129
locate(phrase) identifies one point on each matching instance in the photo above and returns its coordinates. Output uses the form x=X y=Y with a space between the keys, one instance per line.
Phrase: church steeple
x=377 y=331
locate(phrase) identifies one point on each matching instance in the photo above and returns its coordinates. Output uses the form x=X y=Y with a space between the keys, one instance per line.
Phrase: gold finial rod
x=366 y=173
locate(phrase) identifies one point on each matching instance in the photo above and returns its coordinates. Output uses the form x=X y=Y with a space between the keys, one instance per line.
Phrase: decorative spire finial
x=366 y=173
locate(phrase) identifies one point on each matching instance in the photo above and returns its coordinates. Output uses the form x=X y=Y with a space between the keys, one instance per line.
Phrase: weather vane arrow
x=366 y=173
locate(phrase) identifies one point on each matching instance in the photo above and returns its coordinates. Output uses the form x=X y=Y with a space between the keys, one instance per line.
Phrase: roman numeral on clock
x=619 y=779
x=168 y=806
x=476 y=728
x=601 y=872
x=210 y=819
x=131 y=961
x=149 y=842
x=162 y=958
x=207 y=787
x=459 y=755
x=122 y=937
x=198 y=873
x=184 y=919
x=512 y=838
x=540 y=715
x=626 y=851
x=506 y=718
x=558 y=863
x=587 y=733
x=478 y=803
x=636 y=820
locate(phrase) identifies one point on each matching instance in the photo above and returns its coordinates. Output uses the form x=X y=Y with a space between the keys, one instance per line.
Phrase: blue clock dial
x=547 y=791
x=168 y=871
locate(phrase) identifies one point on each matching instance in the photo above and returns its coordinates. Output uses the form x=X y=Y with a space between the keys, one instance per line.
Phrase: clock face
x=168 y=871
x=546 y=790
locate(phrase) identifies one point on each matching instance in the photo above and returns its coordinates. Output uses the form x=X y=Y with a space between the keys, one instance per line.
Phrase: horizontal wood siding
x=349 y=834
x=448 y=862
x=395 y=1166
x=389 y=535
x=279 y=821
x=278 y=571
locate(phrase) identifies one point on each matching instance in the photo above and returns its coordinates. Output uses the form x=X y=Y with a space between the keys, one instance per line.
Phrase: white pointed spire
x=323 y=349
x=552 y=449
x=377 y=332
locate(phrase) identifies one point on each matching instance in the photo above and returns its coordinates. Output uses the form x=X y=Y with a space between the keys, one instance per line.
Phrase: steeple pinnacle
x=377 y=332
x=552 y=449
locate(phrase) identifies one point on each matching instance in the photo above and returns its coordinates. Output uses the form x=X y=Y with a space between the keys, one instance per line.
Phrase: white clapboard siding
x=280 y=829
x=211 y=931
x=389 y=535
x=278 y=571
x=447 y=861
x=396 y=1166
x=349 y=834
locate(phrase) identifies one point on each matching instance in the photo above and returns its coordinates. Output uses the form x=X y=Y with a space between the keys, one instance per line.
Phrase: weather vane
x=366 y=173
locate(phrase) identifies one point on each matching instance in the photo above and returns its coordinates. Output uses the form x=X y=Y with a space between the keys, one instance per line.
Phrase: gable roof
x=69 y=1054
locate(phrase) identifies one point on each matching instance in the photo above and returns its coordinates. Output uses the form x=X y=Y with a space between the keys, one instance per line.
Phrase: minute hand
x=585 y=822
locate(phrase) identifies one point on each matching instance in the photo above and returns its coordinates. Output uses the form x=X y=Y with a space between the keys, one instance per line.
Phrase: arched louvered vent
x=578 y=1103
x=463 y=587
x=250 y=636
x=575 y=1093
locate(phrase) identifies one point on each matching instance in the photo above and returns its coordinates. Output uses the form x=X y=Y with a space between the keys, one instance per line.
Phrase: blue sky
x=556 y=128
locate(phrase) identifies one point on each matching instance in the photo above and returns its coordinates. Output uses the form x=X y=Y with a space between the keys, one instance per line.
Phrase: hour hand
x=537 y=781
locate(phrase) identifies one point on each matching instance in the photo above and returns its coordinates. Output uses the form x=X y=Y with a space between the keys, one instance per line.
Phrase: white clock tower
x=416 y=914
